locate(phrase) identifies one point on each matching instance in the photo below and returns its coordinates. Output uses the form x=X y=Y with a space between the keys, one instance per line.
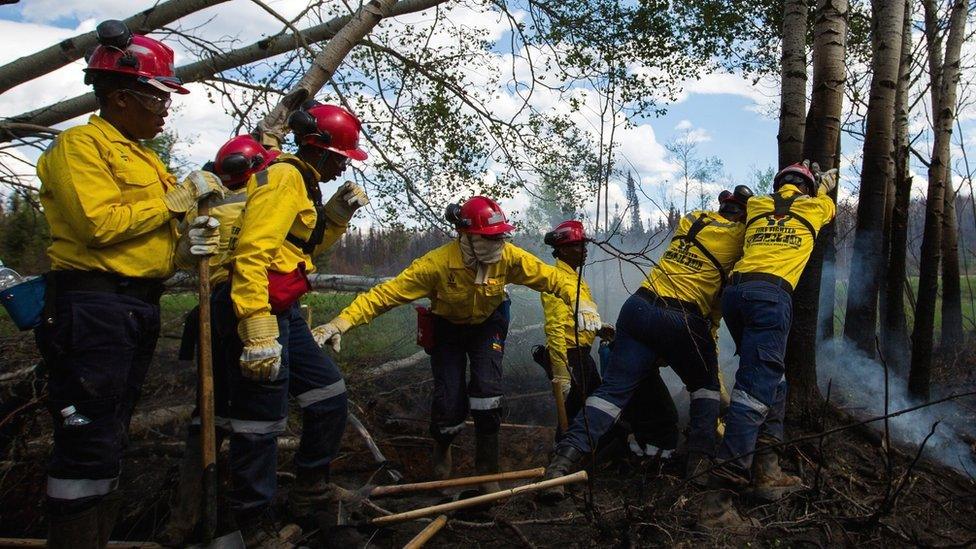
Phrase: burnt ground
x=854 y=499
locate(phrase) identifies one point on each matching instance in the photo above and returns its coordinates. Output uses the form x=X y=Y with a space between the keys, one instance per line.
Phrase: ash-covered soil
x=854 y=496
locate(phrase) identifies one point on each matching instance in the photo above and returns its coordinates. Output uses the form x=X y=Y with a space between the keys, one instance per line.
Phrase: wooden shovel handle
x=205 y=390
x=424 y=535
x=380 y=491
x=557 y=393
x=479 y=500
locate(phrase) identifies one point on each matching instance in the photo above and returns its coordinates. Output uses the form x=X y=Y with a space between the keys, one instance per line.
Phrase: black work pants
x=98 y=351
x=457 y=347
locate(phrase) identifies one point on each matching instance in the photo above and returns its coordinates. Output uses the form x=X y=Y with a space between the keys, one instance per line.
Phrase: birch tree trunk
x=327 y=61
x=944 y=114
x=951 y=290
x=877 y=168
x=820 y=144
x=894 y=327
x=29 y=67
x=793 y=99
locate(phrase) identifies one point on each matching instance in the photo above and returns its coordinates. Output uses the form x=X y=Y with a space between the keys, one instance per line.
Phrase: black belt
x=668 y=302
x=738 y=278
x=144 y=289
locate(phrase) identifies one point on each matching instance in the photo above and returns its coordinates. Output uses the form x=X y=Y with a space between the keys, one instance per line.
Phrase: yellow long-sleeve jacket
x=103 y=199
x=277 y=205
x=441 y=276
x=686 y=272
x=559 y=327
x=781 y=244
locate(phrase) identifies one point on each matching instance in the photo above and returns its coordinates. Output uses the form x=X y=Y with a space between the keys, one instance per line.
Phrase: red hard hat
x=329 y=127
x=479 y=215
x=566 y=233
x=150 y=61
x=796 y=174
x=240 y=158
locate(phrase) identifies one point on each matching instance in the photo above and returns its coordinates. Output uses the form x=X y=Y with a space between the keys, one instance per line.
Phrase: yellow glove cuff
x=179 y=200
x=258 y=327
x=342 y=324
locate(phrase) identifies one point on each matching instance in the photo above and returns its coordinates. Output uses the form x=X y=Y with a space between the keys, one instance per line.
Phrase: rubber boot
x=312 y=494
x=486 y=459
x=186 y=511
x=74 y=531
x=108 y=514
x=441 y=460
x=563 y=462
x=769 y=482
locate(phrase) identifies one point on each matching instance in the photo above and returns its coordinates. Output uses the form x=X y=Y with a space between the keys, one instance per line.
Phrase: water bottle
x=8 y=277
x=72 y=418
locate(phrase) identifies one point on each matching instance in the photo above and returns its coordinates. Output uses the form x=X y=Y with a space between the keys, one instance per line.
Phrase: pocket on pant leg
x=92 y=450
x=771 y=355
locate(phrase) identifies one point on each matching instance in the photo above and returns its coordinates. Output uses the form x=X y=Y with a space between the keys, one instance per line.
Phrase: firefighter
x=235 y=162
x=112 y=209
x=568 y=357
x=666 y=318
x=266 y=351
x=465 y=281
x=781 y=229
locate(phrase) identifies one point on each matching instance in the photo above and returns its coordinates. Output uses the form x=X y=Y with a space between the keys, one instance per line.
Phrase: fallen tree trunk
x=52 y=58
x=201 y=70
x=185 y=281
x=419 y=356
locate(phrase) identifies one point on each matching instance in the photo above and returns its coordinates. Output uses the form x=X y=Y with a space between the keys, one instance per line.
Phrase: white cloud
x=684 y=125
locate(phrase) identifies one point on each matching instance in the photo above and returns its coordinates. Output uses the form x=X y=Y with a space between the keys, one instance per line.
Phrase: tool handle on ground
x=424 y=535
x=579 y=476
x=557 y=392
x=205 y=394
x=380 y=491
x=34 y=542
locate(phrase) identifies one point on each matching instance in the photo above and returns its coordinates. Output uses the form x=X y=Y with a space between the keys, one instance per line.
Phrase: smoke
x=858 y=385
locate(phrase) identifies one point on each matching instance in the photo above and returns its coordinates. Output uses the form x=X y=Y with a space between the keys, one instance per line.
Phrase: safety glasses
x=152 y=103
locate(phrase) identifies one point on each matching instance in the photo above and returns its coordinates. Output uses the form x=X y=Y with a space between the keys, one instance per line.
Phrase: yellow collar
x=111 y=132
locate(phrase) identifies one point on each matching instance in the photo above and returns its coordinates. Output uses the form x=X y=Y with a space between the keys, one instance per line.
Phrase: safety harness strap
x=692 y=237
x=315 y=195
x=782 y=207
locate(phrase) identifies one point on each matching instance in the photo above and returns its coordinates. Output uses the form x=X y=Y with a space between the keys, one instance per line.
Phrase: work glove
x=607 y=331
x=186 y=194
x=331 y=333
x=201 y=238
x=344 y=203
x=565 y=383
x=270 y=139
x=587 y=317
x=828 y=181
x=261 y=359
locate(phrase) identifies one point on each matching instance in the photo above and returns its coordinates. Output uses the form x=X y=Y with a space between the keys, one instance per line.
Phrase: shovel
x=374 y=449
x=208 y=437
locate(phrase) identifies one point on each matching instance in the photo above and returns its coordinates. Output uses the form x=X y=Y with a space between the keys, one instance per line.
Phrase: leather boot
x=441 y=460
x=716 y=512
x=108 y=514
x=563 y=462
x=260 y=530
x=769 y=482
x=486 y=459
x=186 y=511
x=312 y=493
x=74 y=531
